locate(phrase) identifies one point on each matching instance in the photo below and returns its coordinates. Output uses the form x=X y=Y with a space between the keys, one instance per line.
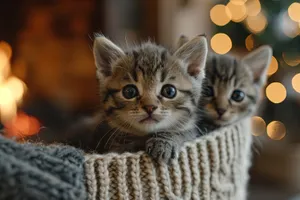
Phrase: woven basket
x=213 y=167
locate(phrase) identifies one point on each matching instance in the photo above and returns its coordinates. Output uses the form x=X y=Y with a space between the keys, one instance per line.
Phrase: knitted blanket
x=213 y=167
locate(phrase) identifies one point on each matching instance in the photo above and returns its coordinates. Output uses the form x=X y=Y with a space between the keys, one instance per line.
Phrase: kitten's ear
x=194 y=53
x=258 y=62
x=181 y=41
x=105 y=51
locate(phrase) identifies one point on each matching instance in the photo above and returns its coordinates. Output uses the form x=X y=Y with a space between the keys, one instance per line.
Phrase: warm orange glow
x=249 y=42
x=220 y=15
x=253 y=7
x=6 y=48
x=289 y=27
x=238 y=11
x=291 y=59
x=276 y=92
x=276 y=130
x=273 y=66
x=296 y=82
x=238 y=2
x=221 y=43
x=258 y=126
x=8 y=107
x=294 y=11
x=256 y=24
x=16 y=86
x=22 y=125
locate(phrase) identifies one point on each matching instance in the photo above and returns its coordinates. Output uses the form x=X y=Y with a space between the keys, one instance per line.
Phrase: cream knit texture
x=213 y=167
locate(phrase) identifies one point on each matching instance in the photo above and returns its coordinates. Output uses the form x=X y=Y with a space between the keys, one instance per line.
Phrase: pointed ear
x=194 y=53
x=258 y=62
x=105 y=52
x=181 y=41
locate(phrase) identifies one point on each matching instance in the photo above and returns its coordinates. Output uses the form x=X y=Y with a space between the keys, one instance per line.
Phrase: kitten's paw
x=162 y=149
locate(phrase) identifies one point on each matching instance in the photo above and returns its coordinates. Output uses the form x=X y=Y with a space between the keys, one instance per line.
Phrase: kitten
x=149 y=96
x=233 y=87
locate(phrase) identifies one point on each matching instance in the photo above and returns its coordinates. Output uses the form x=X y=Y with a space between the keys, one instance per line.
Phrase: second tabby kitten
x=149 y=96
x=232 y=88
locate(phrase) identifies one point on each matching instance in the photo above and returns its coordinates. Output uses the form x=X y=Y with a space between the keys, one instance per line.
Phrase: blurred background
x=47 y=73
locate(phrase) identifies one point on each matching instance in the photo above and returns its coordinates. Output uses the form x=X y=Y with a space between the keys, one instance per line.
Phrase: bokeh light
x=258 y=126
x=296 y=82
x=221 y=43
x=253 y=7
x=276 y=130
x=238 y=2
x=238 y=11
x=294 y=11
x=220 y=15
x=249 y=42
x=22 y=125
x=273 y=66
x=8 y=106
x=256 y=24
x=292 y=59
x=276 y=92
x=289 y=27
x=16 y=86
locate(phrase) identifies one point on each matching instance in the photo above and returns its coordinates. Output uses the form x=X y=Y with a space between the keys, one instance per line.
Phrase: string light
x=220 y=15
x=258 y=126
x=249 y=42
x=276 y=92
x=221 y=43
x=238 y=11
x=273 y=66
x=294 y=12
x=256 y=24
x=296 y=82
x=253 y=7
x=276 y=130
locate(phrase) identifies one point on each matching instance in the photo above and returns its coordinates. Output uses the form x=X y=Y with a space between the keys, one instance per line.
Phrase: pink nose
x=149 y=108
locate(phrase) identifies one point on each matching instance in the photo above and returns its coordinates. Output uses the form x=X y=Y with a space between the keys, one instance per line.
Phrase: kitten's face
x=150 y=90
x=231 y=89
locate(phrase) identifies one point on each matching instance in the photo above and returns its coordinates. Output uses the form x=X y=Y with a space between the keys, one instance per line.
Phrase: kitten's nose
x=149 y=108
x=220 y=111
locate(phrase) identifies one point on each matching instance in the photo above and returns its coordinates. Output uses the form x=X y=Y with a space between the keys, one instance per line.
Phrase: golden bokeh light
x=291 y=59
x=294 y=11
x=8 y=107
x=249 y=42
x=273 y=66
x=296 y=82
x=276 y=92
x=256 y=24
x=276 y=130
x=253 y=7
x=258 y=126
x=16 y=86
x=289 y=27
x=220 y=15
x=238 y=11
x=6 y=48
x=238 y=2
x=221 y=43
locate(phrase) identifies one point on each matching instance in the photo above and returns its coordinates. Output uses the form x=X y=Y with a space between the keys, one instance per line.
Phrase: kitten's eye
x=130 y=91
x=209 y=91
x=238 y=95
x=168 y=91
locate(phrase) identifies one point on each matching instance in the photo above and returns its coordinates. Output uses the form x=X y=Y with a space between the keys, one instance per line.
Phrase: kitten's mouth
x=149 y=120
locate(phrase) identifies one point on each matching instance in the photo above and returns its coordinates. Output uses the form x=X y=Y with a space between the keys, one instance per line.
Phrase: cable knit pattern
x=213 y=167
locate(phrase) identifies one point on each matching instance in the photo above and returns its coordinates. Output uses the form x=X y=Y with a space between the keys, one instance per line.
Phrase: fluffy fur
x=152 y=119
x=232 y=87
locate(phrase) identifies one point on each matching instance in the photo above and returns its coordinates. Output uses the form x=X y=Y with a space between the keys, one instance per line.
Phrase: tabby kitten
x=232 y=88
x=149 y=95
